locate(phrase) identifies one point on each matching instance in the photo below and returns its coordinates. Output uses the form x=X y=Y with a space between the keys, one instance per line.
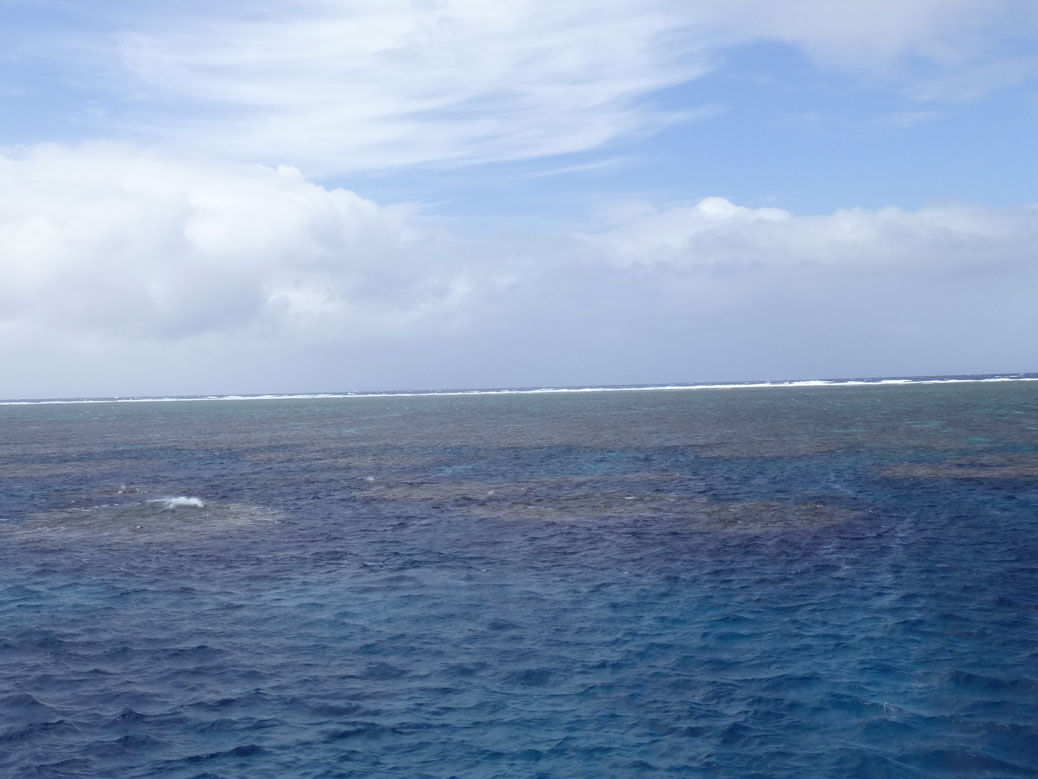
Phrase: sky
x=349 y=195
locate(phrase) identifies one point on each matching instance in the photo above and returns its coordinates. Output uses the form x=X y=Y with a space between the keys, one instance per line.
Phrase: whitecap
x=181 y=501
x=873 y=382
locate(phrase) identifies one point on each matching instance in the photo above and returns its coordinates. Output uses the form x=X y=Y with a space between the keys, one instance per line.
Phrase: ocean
x=747 y=581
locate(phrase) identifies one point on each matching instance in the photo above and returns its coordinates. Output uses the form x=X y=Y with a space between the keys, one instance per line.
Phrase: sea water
x=753 y=582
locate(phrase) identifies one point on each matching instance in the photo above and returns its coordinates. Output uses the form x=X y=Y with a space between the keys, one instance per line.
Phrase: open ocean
x=780 y=581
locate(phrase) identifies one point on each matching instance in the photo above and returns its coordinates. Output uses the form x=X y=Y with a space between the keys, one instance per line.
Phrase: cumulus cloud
x=716 y=233
x=131 y=244
x=112 y=255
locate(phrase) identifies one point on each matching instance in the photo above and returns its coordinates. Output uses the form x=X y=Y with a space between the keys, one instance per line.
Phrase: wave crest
x=181 y=501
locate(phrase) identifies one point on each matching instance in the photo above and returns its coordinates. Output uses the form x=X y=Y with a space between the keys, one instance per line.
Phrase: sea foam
x=181 y=501
x=806 y=383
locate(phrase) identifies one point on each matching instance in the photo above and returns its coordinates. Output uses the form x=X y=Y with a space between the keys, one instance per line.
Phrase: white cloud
x=128 y=244
x=653 y=235
x=714 y=232
x=337 y=86
x=130 y=266
x=353 y=86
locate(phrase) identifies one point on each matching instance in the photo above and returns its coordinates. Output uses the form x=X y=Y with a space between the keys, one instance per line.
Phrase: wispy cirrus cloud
x=336 y=87
x=369 y=86
x=963 y=86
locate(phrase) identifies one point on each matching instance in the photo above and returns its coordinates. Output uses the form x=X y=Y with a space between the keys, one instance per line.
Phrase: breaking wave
x=172 y=504
x=857 y=382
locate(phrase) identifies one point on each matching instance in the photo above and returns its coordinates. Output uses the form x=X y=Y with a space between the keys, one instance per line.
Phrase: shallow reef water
x=751 y=582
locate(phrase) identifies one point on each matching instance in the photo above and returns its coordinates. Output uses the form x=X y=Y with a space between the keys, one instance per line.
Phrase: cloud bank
x=119 y=243
x=111 y=254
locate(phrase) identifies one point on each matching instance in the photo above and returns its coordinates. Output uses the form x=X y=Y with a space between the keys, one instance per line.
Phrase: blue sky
x=321 y=195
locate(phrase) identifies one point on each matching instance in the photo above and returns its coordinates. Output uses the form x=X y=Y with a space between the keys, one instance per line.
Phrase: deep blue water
x=782 y=582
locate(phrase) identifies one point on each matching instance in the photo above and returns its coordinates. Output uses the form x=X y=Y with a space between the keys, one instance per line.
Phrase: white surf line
x=529 y=391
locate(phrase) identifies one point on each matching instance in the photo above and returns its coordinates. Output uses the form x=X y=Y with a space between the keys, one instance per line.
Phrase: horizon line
x=674 y=386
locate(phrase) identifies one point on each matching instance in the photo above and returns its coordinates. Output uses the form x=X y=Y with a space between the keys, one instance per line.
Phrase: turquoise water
x=806 y=582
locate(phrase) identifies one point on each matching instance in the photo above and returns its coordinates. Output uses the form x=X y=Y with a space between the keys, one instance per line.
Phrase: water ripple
x=614 y=585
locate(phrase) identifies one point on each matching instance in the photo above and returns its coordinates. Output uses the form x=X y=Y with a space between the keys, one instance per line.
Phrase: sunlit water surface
x=801 y=582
